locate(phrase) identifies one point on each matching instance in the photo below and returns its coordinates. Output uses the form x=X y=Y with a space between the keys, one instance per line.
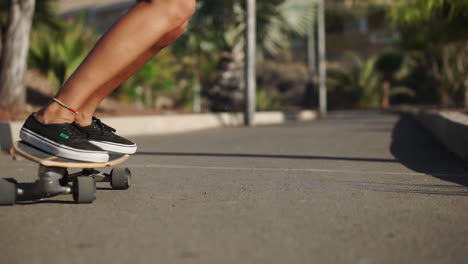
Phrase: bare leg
x=125 y=48
x=87 y=110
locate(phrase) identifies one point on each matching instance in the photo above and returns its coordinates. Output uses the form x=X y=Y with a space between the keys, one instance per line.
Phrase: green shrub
x=267 y=101
x=157 y=77
x=360 y=82
x=58 y=53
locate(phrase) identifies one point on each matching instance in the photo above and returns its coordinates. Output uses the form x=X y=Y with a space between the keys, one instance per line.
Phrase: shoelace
x=103 y=127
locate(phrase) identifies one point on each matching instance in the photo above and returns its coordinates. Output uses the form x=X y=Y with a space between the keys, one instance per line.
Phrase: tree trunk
x=446 y=99
x=466 y=93
x=385 y=94
x=15 y=49
x=227 y=92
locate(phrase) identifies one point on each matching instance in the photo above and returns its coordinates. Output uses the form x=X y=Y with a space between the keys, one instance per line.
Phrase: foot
x=65 y=140
x=104 y=137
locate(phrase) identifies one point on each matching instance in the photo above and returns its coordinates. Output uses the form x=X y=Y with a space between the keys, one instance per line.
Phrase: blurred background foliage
x=58 y=51
x=421 y=55
x=45 y=13
x=434 y=35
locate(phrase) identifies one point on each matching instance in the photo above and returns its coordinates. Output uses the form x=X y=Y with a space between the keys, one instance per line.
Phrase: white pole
x=312 y=58
x=250 y=71
x=322 y=59
x=196 y=95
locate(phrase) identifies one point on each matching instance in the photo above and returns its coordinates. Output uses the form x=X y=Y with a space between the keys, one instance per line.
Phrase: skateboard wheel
x=120 y=178
x=8 y=191
x=84 y=190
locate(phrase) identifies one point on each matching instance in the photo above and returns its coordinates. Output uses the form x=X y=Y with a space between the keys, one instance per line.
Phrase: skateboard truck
x=49 y=183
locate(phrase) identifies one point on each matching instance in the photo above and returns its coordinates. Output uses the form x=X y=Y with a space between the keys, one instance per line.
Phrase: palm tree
x=388 y=65
x=435 y=34
x=16 y=18
x=369 y=83
x=358 y=82
x=218 y=28
x=44 y=14
x=15 y=44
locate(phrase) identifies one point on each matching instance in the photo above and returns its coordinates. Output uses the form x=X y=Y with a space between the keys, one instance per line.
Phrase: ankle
x=84 y=119
x=54 y=114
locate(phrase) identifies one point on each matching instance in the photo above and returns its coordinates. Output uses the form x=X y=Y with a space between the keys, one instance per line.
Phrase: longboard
x=54 y=178
x=45 y=159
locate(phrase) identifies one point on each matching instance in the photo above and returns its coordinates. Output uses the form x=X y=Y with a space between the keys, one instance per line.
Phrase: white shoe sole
x=115 y=147
x=60 y=150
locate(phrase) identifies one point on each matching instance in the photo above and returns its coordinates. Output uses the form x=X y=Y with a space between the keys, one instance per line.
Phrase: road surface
x=358 y=187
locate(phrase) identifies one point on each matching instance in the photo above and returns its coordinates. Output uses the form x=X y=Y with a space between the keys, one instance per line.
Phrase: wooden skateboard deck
x=36 y=155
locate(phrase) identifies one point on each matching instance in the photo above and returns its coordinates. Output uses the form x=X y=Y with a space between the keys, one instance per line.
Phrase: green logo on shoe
x=65 y=136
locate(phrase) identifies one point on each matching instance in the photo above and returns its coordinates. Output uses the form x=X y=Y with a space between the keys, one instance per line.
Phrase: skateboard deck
x=45 y=159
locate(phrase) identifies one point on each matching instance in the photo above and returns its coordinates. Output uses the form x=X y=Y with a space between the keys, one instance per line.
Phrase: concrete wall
x=451 y=128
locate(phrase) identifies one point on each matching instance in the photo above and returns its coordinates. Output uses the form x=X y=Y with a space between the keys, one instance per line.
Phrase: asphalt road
x=359 y=187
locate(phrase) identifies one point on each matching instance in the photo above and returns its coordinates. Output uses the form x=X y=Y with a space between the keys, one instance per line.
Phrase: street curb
x=451 y=128
x=170 y=124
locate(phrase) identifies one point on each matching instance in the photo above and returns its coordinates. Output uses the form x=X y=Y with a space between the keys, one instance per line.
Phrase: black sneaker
x=62 y=140
x=104 y=137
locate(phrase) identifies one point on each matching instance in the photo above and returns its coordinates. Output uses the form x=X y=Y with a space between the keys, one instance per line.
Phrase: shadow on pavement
x=237 y=155
x=45 y=201
x=430 y=189
x=105 y=189
x=417 y=149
